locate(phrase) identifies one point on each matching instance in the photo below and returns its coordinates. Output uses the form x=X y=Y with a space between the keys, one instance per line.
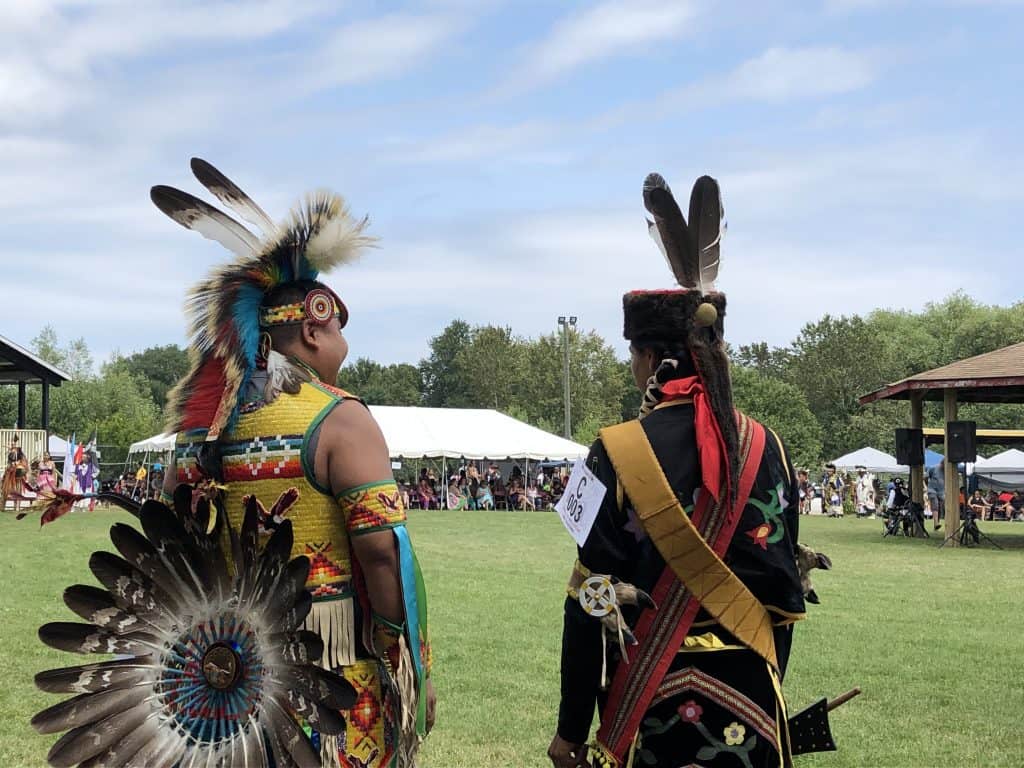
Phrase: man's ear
x=311 y=334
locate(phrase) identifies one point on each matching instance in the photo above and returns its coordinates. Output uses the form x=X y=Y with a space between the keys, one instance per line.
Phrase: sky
x=868 y=154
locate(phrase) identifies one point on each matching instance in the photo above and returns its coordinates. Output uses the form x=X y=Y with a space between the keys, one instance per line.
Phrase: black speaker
x=962 y=437
x=910 y=447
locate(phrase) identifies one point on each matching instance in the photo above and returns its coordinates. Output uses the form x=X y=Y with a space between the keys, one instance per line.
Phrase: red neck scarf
x=714 y=458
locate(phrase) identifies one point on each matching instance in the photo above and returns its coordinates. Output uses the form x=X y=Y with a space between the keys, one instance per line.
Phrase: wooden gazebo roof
x=993 y=377
x=18 y=365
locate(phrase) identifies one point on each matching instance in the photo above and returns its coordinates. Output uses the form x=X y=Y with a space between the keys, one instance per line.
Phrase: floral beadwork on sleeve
x=372 y=506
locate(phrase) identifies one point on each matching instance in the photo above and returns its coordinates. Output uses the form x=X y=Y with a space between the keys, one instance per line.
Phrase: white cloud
x=53 y=51
x=782 y=74
x=380 y=47
x=602 y=31
x=518 y=141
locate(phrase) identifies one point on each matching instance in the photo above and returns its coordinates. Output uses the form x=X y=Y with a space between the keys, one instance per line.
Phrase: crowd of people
x=469 y=487
x=840 y=492
x=141 y=484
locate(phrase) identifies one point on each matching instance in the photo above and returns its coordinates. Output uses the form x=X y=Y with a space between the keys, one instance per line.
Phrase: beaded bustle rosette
x=216 y=670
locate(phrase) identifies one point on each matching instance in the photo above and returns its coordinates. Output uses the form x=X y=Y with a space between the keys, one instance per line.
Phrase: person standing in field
x=935 y=483
x=864 y=491
x=15 y=476
x=676 y=679
x=259 y=415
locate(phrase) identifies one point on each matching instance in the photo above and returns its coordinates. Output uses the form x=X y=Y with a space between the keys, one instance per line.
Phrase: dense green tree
x=782 y=407
x=597 y=384
x=443 y=373
x=160 y=368
x=397 y=384
x=493 y=367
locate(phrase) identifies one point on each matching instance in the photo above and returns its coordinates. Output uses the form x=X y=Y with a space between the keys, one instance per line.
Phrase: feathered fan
x=692 y=251
x=218 y=673
x=319 y=235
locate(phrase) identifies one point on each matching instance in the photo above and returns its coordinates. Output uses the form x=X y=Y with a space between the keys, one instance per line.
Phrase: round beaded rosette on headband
x=217 y=669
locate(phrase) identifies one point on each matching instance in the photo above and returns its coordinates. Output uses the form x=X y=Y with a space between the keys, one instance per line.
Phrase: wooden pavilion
x=994 y=377
x=21 y=367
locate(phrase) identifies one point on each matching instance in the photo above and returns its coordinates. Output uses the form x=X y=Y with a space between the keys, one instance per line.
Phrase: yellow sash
x=705 y=575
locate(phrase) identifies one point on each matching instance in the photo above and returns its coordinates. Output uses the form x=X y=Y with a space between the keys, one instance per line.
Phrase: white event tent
x=445 y=433
x=875 y=461
x=156 y=444
x=473 y=433
x=1004 y=470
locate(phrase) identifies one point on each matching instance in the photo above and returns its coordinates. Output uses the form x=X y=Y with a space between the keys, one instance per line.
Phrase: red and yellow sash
x=694 y=576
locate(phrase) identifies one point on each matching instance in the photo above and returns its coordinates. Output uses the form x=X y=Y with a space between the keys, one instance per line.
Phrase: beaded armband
x=372 y=506
x=166 y=498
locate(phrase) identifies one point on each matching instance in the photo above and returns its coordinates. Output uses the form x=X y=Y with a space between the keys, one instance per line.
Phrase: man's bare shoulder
x=350 y=426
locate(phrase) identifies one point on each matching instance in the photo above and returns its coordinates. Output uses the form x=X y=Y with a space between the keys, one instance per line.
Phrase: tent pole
x=444 y=482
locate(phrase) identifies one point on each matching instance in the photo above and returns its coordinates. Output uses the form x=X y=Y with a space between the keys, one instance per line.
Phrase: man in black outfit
x=700 y=514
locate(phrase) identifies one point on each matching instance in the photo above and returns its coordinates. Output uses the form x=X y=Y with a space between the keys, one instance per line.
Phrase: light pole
x=565 y=324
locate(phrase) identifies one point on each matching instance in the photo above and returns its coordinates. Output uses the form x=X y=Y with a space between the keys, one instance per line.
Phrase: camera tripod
x=968 y=532
x=908 y=520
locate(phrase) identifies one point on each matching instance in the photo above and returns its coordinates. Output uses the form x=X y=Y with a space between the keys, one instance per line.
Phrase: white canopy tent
x=473 y=433
x=1002 y=471
x=156 y=444
x=452 y=433
x=57 y=447
x=875 y=461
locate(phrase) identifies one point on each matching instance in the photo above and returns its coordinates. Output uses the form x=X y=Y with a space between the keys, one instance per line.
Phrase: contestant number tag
x=580 y=502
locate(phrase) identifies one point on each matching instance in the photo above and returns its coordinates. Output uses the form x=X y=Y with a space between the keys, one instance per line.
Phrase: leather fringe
x=329 y=752
x=405 y=682
x=335 y=622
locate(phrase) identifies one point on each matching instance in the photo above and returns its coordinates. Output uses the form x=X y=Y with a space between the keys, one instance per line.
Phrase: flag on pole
x=67 y=480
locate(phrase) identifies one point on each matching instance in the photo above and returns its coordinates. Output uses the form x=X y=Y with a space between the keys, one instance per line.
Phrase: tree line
x=807 y=390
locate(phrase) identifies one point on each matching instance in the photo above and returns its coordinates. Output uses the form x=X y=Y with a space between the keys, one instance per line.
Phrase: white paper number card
x=580 y=502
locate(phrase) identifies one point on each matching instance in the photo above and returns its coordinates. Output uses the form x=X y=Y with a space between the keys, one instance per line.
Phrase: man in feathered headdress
x=259 y=418
x=678 y=620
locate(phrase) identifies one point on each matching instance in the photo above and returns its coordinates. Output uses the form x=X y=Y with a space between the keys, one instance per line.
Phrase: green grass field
x=933 y=637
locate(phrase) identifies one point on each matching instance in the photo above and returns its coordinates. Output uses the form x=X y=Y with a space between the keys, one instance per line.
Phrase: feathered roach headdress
x=226 y=313
x=690 y=316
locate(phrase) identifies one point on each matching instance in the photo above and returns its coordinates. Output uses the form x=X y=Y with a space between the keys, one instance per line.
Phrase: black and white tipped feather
x=669 y=230
x=216 y=674
x=693 y=250
x=229 y=193
x=706 y=230
x=199 y=216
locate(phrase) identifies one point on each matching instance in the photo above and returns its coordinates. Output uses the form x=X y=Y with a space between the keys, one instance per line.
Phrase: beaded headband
x=319 y=306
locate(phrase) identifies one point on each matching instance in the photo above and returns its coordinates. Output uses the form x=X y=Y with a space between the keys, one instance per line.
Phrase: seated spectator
x=531 y=498
x=484 y=499
x=425 y=489
x=456 y=500
x=516 y=492
x=1014 y=508
x=979 y=506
